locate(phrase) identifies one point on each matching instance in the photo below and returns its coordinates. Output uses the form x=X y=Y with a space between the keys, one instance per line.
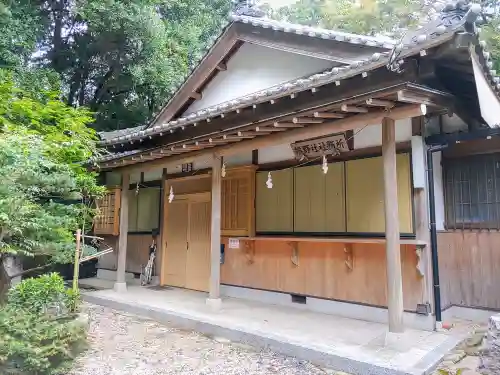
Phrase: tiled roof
x=120 y=132
x=117 y=155
x=339 y=36
x=265 y=23
x=424 y=38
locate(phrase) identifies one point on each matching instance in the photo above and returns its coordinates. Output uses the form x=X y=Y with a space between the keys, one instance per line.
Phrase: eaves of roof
x=291 y=28
x=421 y=40
x=315 y=32
x=120 y=132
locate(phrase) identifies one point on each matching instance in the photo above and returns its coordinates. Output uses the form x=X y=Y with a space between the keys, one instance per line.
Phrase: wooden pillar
x=214 y=291
x=120 y=285
x=393 y=250
x=162 y=238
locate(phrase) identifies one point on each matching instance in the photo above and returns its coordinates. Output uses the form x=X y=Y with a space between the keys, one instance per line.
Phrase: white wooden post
x=214 y=290
x=393 y=250
x=120 y=284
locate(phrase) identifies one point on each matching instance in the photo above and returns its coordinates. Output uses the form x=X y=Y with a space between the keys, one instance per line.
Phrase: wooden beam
x=261 y=129
x=237 y=137
x=196 y=95
x=393 y=250
x=161 y=243
x=352 y=108
x=252 y=133
x=408 y=97
x=320 y=130
x=380 y=103
x=217 y=141
x=120 y=284
x=287 y=125
x=306 y=120
x=328 y=115
x=382 y=82
x=214 y=288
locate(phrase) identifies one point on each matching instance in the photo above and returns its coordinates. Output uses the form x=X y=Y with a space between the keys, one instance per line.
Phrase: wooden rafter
x=306 y=120
x=353 y=109
x=380 y=103
x=236 y=137
x=269 y=130
x=386 y=84
x=287 y=125
x=328 y=115
x=252 y=133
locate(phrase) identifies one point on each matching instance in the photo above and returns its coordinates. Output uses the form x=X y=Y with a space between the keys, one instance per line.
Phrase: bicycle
x=147 y=272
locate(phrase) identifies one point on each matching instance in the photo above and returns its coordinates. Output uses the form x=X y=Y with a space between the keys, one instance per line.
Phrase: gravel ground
x=126 y=344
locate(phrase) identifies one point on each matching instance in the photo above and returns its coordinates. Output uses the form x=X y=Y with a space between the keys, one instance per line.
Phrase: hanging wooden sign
x=188 y=167
x=332 y=145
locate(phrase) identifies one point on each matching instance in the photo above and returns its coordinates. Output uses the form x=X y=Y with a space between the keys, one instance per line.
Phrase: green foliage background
x=120 y=58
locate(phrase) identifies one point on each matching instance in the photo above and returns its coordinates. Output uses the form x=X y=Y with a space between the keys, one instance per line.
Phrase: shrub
x=38 y=295
x=38 y=344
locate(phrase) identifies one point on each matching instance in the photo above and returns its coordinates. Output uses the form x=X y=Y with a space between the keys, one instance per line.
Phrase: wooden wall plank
x=137 y=253
x=322 y=271
x=468 y=266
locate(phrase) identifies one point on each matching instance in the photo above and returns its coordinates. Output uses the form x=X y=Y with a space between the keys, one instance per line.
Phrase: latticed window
x=108 y=213
x=472 y=192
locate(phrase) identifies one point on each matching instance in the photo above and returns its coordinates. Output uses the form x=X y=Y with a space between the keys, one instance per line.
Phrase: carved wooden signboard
x=332 y=145
x=188 y=167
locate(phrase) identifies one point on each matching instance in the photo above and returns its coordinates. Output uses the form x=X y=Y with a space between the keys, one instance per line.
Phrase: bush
x=40 y=294
x=32 y=343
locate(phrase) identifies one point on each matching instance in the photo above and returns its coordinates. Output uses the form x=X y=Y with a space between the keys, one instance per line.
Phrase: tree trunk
x=13 y=266
x=57 y=39
x=9 y=266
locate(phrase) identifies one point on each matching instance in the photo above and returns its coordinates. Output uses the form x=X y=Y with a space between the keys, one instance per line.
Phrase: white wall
x=254 y=68
x=372 y=135
x=275 y=153
x=153 y=175
x=244 y=158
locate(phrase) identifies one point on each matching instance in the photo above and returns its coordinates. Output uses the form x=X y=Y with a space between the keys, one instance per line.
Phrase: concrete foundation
x=338 y=308
x=353 y=346
x=111 y=275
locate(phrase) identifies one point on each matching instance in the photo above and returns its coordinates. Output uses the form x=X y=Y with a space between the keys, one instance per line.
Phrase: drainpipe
x=432 y=219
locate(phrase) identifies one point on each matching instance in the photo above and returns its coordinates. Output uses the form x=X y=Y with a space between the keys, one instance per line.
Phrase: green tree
x=121 y=58
x=382 y=17
x=390 y=17
x=43 y=149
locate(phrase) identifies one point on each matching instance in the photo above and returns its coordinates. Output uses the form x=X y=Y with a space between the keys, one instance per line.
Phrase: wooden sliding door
x=187 y=255
x=174 y=261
